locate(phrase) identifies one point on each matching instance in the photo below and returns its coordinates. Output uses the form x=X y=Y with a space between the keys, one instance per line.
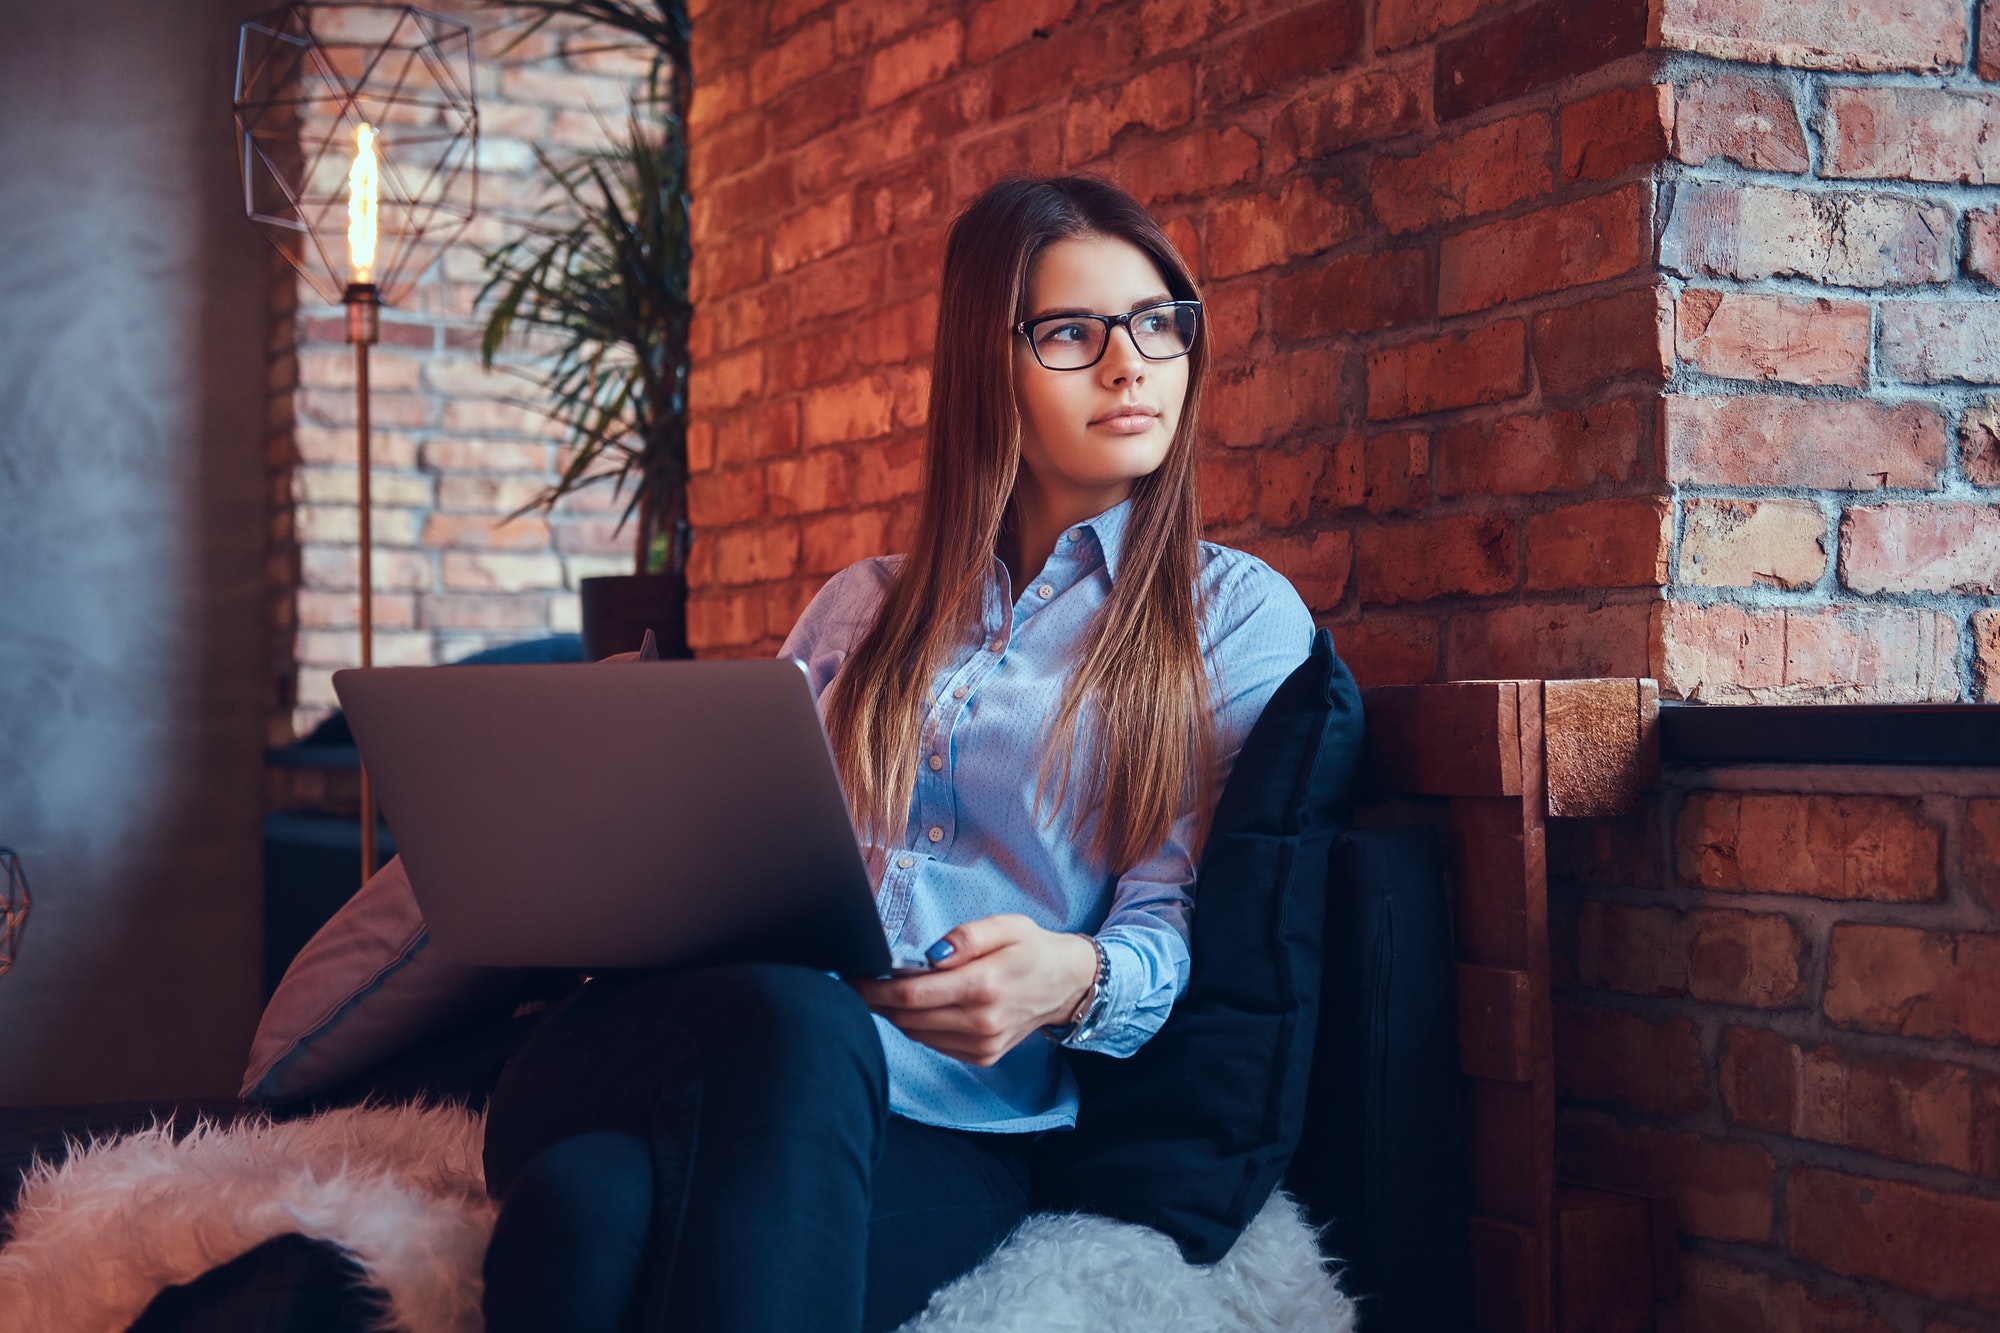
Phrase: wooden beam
x=1495 y=1023
x=1600 y=743
x=1461 y=739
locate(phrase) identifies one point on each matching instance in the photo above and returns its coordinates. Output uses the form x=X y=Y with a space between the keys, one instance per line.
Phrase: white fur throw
x=96 y=1238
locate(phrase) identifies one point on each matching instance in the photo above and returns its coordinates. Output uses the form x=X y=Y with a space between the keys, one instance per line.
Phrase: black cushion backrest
x=1382 y=1163
x=1192 y=1133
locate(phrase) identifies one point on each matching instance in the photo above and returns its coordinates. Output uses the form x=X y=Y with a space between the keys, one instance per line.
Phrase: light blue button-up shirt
x=975 y=845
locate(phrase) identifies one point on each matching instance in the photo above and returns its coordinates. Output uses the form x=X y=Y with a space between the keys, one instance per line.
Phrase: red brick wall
x=1826 y=231
x=1414 y=224
x=1553 y=339
x=1779 y=1003
x=455 y=448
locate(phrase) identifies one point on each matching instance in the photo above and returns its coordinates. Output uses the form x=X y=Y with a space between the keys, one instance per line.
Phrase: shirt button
x=958 y=693
x=936 y=834
x=905 y=862
x=994 y=646
x=937 y=762
x=1045 y=592
x=1076 y=534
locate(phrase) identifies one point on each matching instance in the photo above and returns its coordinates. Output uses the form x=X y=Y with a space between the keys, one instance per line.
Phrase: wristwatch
x=1089 y=1011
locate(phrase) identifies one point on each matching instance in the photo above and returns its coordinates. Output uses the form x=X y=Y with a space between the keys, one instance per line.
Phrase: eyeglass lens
x=1072 y=342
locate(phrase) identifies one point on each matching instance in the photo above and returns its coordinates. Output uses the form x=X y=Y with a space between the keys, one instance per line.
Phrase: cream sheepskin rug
x=401 y=1188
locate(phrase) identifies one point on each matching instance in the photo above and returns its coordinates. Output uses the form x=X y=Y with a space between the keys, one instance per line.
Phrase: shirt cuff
x=1125 y=1024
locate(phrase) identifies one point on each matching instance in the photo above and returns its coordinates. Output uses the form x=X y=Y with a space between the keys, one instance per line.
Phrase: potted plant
x=603 y=271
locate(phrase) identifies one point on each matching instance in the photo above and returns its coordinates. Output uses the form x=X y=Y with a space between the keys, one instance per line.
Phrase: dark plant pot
x=618 y=609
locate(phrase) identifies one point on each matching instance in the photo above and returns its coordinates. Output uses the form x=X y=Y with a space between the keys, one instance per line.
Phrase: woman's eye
x=1062 y=333
x=1157 y=321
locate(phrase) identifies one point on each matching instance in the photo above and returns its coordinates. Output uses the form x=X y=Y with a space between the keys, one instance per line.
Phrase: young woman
x=1032 y=713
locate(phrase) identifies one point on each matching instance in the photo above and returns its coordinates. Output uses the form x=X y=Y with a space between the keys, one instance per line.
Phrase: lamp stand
x=363 y=329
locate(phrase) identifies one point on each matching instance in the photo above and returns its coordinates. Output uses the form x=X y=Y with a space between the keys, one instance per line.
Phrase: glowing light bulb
x=364 y=192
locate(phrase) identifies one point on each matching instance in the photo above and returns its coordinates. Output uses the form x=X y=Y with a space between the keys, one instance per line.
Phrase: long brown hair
x=1139 y=676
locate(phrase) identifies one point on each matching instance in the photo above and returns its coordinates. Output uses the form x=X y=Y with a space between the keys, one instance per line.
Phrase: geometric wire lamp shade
x=357 y=131
x=15 y=906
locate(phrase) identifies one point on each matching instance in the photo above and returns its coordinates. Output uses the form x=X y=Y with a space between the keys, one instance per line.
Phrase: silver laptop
x=624 y=815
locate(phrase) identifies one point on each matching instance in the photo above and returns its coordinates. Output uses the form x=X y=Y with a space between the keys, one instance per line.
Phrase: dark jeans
x=712 y=1149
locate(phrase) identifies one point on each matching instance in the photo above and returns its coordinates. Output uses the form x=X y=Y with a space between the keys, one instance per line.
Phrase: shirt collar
x=1109 y=529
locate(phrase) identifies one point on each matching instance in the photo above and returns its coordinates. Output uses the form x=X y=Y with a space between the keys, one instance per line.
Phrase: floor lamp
x=357 y=132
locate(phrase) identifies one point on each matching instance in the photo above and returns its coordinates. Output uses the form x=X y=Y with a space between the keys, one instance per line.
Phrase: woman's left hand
x=1005 y=977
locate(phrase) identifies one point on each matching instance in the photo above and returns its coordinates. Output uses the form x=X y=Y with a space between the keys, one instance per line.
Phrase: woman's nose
x=1122 y=361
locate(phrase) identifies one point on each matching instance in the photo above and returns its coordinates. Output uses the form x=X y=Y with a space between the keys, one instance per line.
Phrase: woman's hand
x=1005 y=977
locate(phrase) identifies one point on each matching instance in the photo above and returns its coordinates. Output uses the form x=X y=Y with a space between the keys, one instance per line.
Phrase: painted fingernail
x=940 y=951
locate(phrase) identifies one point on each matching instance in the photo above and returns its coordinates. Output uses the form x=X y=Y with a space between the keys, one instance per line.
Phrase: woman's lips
x=1127 y=422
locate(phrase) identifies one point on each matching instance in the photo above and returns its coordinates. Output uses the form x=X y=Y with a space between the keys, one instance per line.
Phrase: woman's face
x=1087 y=435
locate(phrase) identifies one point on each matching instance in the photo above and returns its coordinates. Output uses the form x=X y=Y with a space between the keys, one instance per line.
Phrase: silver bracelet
x=1090 y=1009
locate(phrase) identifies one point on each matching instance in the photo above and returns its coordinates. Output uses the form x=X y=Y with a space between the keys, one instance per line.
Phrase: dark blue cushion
x=1191 y=1135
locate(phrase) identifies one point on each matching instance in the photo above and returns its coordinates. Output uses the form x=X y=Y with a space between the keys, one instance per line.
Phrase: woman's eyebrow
x=1160 y=299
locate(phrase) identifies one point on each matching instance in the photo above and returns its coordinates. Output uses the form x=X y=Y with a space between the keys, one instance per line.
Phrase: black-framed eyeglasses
x=1077 y=342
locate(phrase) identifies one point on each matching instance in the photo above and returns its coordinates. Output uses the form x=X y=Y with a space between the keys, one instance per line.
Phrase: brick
x=592 y=536
x=1390 y=650
x=761 y=431
x=1982 y=240
x=1172 y=25
x=487 y=495
x=1914 y=983
x=1229 y=485
x=887 y=472
x=482 y=456
x=1290 y=487
x=1565 y=245
x=485 y=532
x=336 y=569
x=501 y=571
x=729 y=264
x=794 y=60
x=342 y=485
x=1354 y=294
x=1405 y=22
x=1921 y=1111
x=1318 y=565
x=1230 y=309
x=1741 y=118
x=1934 y=1244
x=1609 y=134
x=1485 y=365
x=343 y=648
x=717 y=499
x=1919 y=134
x=1549 y=640
x=734 y=147
x=1159 y=99
x=857 y=410
x=1534 y=47
x=1752 y=543
x=917 y=61
x=1721 y=957
x=1866 y=35
x=1000 y=25
x=1615 y=850
x=1988 y=62
x=1760 y=440
x=1601 y=544
x=812 y=233
x=1729 y=654
x=831 y=542
x=1940 y=342
x=342 y=524
x=1620 y=1059
x=720 y=620
x=760 y=193
x=1582 y=348
x=1934 y=547
x=1541 y=451
x=727 y=381
x=901 y=201
x=1479 y=171
x=1027 y=145
x=1200 y=162
x=483 y=611
x=1275 y=397
x=756 y=555
x=1396 y=472
x=342 y=610
x=1986 y=654
x=1748 y=336
x=1982 y=851
x=718 y=95
x=1722 y=1190
x=1283 y=52
x=808 y=484
x=1750 y=232
x=1414 y=562
x=1717 y=1296
x=1880 y=848
x=1979 y=442
x=1361 y=106
x=1260 y=231
x=1044 y=73
x=860 y=24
